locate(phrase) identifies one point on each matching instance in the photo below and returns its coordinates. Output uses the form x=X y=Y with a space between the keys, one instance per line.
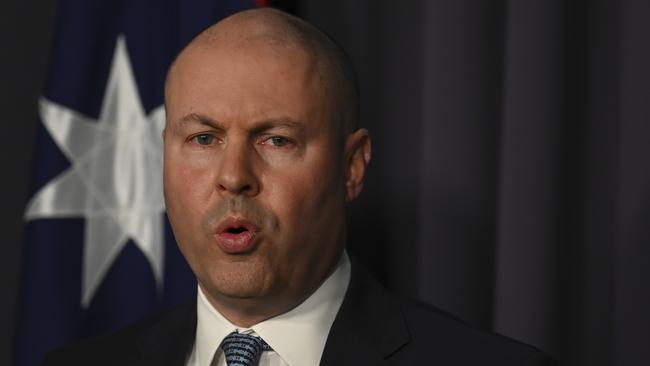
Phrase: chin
x=240 y=281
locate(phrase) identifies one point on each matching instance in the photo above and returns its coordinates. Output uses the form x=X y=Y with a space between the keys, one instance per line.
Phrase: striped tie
x=243 y=349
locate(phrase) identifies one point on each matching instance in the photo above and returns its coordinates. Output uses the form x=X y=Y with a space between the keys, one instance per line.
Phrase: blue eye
x=279 y=141
x=204 y=139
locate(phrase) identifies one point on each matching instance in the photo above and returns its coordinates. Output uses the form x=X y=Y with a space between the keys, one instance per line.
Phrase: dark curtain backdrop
x=510 y=182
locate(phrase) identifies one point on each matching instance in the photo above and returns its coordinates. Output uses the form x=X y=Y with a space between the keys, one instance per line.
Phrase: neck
x=249 y=311
x=246 y=313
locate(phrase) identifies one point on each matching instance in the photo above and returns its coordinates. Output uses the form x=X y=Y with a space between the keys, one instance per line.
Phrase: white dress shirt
x=297 y=337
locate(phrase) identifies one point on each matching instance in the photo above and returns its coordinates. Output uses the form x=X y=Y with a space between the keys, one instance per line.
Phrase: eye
x=278 y=141
x=204 y=139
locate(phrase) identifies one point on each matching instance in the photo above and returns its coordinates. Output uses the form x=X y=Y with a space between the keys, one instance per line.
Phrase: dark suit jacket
x=372 y=327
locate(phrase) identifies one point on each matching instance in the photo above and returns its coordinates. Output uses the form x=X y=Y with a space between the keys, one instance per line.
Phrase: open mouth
x=237 y=236
x=236 y=230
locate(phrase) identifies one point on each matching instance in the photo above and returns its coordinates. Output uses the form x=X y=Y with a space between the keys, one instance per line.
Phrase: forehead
x=246 y=80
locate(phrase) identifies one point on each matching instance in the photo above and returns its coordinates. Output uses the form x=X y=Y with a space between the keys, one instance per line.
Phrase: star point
x=115 y=177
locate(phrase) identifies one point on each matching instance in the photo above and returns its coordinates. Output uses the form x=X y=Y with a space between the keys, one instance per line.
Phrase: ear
x=357 y=157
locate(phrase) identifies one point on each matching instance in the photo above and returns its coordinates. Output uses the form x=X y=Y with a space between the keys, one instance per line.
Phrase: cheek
x=187 y=191
x=186 y=196
x=304 y=194
x=188 y=175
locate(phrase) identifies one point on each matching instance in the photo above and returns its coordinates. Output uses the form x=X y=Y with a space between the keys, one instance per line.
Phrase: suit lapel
x=368 y=328
x=169 y=342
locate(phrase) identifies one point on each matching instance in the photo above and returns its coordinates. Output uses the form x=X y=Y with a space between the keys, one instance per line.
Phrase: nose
x=236 y=172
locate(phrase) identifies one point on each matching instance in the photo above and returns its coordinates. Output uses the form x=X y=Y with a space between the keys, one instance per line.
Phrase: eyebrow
x=201 y=119
x=258 y=127
x=284 y=122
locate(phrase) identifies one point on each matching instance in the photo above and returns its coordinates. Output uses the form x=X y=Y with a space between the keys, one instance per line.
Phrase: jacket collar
x=369 y=326
x=170 y=339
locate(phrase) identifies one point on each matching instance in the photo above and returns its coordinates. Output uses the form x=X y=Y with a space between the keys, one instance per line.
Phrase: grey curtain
x=510 y=182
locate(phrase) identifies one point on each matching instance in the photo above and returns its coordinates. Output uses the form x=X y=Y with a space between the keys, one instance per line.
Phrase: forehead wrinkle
x=198 y=118
x=256 y=127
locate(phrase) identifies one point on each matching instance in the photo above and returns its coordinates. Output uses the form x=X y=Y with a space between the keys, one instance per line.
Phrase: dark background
x=510 y=182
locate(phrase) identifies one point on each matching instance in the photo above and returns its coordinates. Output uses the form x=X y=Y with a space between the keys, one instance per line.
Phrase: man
x=262 y=154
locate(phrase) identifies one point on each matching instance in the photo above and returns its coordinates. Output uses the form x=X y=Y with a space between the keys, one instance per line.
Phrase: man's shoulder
x=395 y=330
x=435 y=332
x=129 y=344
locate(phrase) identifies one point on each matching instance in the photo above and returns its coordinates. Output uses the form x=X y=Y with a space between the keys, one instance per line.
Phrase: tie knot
x=243 y=349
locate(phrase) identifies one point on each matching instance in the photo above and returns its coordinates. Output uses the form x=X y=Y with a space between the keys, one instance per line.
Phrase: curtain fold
x=533 y=166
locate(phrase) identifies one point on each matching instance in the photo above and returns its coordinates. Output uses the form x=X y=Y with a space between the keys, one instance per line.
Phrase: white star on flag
x=115 y=177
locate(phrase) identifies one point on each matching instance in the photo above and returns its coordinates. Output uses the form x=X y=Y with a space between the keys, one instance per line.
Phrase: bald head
x=261 y=116
x=277 y=30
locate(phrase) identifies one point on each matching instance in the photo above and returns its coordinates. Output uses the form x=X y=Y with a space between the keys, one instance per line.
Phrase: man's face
x=253 y=172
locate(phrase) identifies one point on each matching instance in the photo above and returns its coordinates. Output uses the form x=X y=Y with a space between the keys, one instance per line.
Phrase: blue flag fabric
x=97 y=149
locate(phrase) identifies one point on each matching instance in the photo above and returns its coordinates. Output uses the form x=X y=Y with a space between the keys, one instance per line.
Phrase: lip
x=237 y=243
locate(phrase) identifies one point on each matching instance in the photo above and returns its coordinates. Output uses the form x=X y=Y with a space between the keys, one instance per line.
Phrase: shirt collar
x=308 y=324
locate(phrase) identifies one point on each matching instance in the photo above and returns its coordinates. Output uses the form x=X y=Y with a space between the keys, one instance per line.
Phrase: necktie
x=243 y=349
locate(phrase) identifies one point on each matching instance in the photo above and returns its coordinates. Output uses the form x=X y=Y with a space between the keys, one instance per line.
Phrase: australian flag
x=99 y=252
